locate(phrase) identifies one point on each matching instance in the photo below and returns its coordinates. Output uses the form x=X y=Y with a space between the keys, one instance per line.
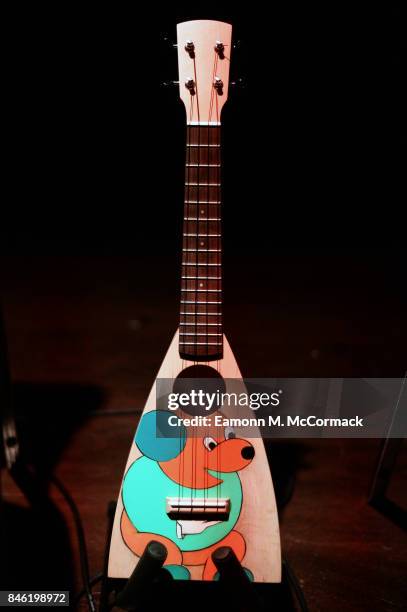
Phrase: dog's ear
x=158 y=440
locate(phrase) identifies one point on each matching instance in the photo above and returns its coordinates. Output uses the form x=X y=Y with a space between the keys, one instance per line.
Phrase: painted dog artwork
x=199 y=467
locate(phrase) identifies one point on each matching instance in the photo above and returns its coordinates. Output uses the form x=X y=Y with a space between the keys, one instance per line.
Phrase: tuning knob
x=190 y=48
x=169 y=83
x=239 y=83
x=168 y=42
x=218 y=85
x=190 y=85
x=220 y=49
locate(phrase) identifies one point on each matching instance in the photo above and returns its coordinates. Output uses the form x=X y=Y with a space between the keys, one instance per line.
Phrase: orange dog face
x=209 y=453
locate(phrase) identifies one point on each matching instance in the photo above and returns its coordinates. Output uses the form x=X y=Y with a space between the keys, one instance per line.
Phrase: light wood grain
x=206 y=105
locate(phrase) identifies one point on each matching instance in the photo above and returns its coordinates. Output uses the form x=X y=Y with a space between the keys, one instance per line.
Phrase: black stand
x=151 y=586
x=389 y=451
x=146 y=578
x=378 y=492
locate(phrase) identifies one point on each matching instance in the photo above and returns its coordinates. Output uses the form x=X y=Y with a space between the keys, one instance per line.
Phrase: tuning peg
x=190 y=85
x=169 y=83
x=167 y=40
x=190 y=48
x=218 y=85
x=240 y=83
x=220 y=49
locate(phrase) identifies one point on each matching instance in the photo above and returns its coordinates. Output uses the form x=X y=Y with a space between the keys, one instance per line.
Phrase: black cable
x=83 y=554
x=295 y=586
x=94 y=580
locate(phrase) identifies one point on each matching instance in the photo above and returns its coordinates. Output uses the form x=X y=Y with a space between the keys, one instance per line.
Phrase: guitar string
x=214 y=100
x=219 y=246
x=206 y=274
x=207 y=267
x=213 y=97
x=187 y=209
x=194 y=433
x=208 y=199
x=208 y=152
x=185 y=254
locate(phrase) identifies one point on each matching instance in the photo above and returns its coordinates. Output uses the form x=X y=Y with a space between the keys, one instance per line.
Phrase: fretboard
x=201 y=287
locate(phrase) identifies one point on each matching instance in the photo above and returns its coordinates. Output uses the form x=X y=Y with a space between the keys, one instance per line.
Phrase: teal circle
x=145 y=488
x=157 y=439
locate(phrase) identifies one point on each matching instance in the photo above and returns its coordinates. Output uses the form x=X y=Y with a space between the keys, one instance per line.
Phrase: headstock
x=204 y=49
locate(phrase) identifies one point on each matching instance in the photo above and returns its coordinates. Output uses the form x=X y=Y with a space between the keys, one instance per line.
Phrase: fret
x=199 y=144
x=202 y=184
x=203 y=286
x=185 y=263
x=202 y=218
x=206 y=324
x=201 y=259
x=199 y=246
x=207 y=307
x=192 y=226
x=202 y=123
x=201 y=278
x=202 y=202
x=201 y=236
x=201 y=302
x=200 y=308
x=203 y=166
x=201 y=314
x=202 y=343
x=198 y=334
x=211 y=254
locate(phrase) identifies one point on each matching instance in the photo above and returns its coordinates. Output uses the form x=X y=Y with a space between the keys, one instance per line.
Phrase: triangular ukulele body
x=151 y=476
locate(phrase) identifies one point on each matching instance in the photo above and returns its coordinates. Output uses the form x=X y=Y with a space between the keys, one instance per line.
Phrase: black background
x=312 y=146
x=314 y=167
x=314 y=240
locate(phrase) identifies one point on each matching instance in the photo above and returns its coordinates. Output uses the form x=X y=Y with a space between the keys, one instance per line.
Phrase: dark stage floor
x=86 y=337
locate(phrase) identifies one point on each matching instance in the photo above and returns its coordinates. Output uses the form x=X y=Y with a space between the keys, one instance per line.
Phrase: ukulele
x=195 y=494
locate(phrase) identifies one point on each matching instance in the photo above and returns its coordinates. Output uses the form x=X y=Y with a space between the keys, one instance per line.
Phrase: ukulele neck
x=201 y=336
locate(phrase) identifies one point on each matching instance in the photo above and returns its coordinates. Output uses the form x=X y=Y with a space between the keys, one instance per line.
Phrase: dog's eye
x=210 y=443
x=229 y=433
